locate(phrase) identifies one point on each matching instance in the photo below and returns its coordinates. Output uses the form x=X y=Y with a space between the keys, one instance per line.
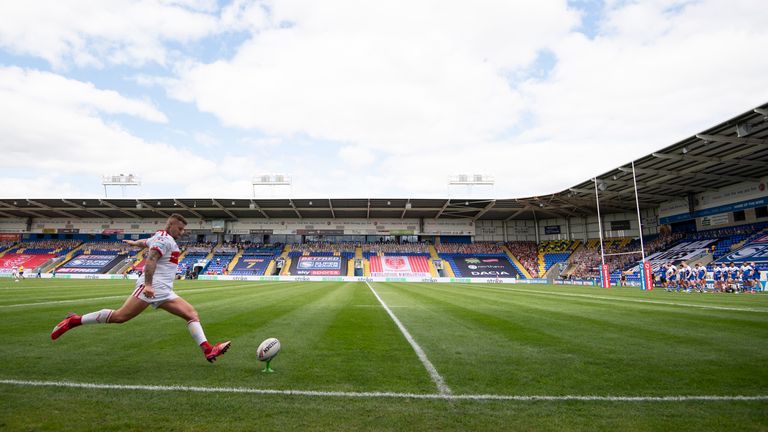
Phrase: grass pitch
x=535 y=357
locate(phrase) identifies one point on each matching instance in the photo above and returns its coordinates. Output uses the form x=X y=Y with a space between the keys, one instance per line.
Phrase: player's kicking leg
x=183 y=309
x=131 y=308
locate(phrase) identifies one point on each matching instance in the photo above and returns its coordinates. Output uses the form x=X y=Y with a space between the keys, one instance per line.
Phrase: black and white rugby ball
x=268 y=349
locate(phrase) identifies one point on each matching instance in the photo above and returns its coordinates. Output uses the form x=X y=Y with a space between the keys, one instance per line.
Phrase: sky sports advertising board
x=318 y=266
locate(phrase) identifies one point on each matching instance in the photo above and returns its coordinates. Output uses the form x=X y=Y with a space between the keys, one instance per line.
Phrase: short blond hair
x=178 y=217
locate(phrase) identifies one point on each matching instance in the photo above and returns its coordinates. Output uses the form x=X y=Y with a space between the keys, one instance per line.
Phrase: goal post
x=646 y=271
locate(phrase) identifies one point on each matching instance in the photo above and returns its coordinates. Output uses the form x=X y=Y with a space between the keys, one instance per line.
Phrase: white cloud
x=628 y=93
x=356 y=156
x=101 y=33
x=51 y=124
x=389 y=76
x=57 y=91
x=408 y=92
x=47 y=186
x=429 y=82
x=206 y=140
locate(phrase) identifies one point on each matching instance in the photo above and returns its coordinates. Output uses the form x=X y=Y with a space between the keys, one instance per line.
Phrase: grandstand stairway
x=128 y=264
x=432 y=268
x=570 y=264
x=6 y=250
x=447 y=269
x=234 y=261
x=211 y=253
x=520 y=267
x=287 y=267
x=286 y=271
x=67 y=257
x=270 y=268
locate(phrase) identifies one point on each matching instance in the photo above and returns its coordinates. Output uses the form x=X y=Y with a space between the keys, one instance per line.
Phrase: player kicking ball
x=154 y=287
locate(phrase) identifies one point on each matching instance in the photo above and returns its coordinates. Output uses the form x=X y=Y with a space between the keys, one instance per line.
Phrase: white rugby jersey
x=165 y=271
x=671 y=270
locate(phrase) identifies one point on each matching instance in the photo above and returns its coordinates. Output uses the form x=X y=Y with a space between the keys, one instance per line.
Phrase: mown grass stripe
x=623 y=299
x=436 y=377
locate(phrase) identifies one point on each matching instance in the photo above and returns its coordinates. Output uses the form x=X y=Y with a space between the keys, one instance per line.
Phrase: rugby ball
x=268 y=349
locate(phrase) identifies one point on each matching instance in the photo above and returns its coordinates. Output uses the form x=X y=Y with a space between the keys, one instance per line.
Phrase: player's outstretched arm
x=142 y=243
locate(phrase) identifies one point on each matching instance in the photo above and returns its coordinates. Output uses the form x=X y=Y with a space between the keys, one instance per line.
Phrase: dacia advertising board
x=485 y=267
x=318 y=266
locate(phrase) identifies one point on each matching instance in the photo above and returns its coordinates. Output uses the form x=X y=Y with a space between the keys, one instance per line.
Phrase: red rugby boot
x=217 y=350
x=71 y=321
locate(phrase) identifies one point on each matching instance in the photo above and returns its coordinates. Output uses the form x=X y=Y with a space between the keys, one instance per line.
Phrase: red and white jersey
x=165 y=272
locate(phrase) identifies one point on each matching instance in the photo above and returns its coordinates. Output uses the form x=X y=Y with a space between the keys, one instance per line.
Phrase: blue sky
x=361 y=99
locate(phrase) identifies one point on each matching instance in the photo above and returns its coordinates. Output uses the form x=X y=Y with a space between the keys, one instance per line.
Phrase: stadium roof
x=732 y=152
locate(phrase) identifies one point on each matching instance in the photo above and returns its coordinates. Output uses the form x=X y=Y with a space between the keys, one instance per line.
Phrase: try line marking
x=438 y=380
x=391 y=395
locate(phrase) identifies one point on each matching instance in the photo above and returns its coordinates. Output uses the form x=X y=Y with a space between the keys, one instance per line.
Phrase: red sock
x=206 y=346
x=75 y=321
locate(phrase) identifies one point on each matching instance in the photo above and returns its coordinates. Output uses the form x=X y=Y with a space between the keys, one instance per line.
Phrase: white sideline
x=394 y=395
x=438 y=380
x=121 y=296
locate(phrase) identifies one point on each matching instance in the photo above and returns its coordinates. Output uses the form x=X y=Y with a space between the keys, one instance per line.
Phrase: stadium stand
x=255 y=259
x=34 y=254
x=526 y=252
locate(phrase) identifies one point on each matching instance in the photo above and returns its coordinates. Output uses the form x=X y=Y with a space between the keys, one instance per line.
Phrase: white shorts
x=161 y=295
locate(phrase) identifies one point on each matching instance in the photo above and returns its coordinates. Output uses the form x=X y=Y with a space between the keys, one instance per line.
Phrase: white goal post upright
x=605 y=274
x=646 y=275
x=646 y=272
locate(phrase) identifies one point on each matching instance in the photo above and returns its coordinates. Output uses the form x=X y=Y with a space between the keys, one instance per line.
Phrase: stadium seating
x=252 y=265
x=29 y=261
x=218 y=263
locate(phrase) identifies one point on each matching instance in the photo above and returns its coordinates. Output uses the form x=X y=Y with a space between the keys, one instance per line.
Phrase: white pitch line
x=122 y=296
x=438 y=380
x=590 y=296
x=392 y=395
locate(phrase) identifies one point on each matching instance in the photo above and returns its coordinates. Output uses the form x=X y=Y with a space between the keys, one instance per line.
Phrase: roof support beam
x=217 y=204
x=45 y=207
x=485 y=209
x=255 y=206
x=84 y=208
x=186 y=207
x=625 y=191
x=330 y=205
x=109 y=204
x=23 y=210
x=734 y=140
x=447 y=203
x=144 y=204
x=8 y=215
x=293 y=206
x=368 y=214
x=690 y=175
x=405 y=208
x=709 y=159
x=524 y=209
